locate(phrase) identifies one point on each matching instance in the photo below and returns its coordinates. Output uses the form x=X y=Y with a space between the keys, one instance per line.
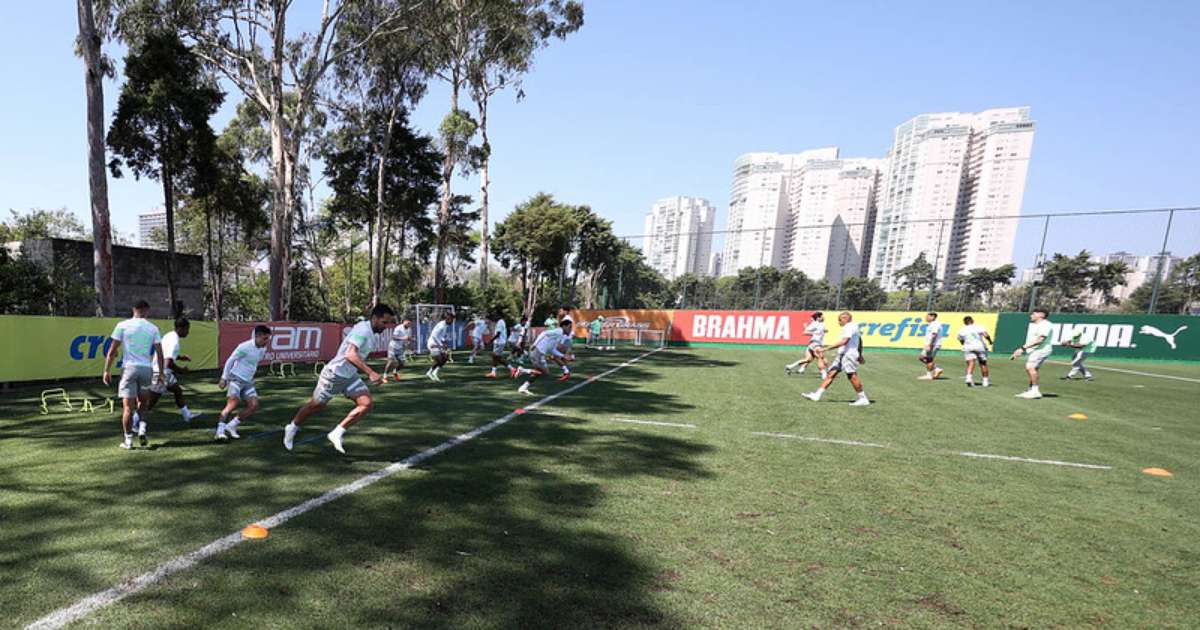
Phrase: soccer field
x=693 y=488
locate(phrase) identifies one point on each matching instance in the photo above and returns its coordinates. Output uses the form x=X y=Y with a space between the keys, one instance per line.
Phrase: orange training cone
x=1158 y=472
x=255 y=531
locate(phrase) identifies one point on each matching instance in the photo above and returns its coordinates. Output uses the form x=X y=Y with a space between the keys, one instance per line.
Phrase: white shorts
x=929 y=354
x=1037 y=358
x=976 y=355
x=437 y=351
x=330 y=385
x=815 y=347
x=168 y=382
x=396 y=353
x=538 y=359
x=135 y=379
x=498 y=349
x=241 y=390
x=847 y=363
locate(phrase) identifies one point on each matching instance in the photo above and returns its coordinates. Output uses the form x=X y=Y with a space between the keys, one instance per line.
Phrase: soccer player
x=439 y=344
x=516 y=342
x=596 y=328
x=1084 y=344
x=237 y=379
x=933 y=343
x=1038 y=343
x=815 y=350
x=398 y=350
x=546 y=346
x=850 y=356
x=499 y=344
x=340 y=376
x=143 y=348
x=168 y=382
x=975 y=341
x=477 y=328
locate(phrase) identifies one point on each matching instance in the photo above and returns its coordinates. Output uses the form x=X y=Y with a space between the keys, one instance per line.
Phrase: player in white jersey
x=398 y=350
x=564 y=315
x=477 y=329
x=499 y=344
x=143 y=349
x=1039 y=342
x=933 y=343
x=171 y=360
x=237 y=379
x=850 y=356
x=516 y=344
x=815 y=350
x=1084 y=343
x=547 y=346
x=439 y=344
x=340 y=377
x=975 y=341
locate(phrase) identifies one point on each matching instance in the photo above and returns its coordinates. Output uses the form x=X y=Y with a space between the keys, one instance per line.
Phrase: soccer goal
x=612 y=338
x=426 y=316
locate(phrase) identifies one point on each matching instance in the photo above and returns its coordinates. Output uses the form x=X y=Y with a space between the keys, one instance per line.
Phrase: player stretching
x=815 y=350
x=238 y=381
x=340 y=376
x=933 y=343
x=1038 y=343
x=849 y=357
x=975 y=341
x=143 y=348
x=499 y=344
x=168 y=383
x=398 y=350
x=1084 y=344
x=477 y=327
x=546 y=346
x=439 y=344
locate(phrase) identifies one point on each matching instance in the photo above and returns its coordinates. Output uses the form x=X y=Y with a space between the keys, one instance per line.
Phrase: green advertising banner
x=44 y=348
x=1133 y=336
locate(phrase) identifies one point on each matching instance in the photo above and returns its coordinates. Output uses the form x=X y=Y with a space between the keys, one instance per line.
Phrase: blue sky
x=653 y=99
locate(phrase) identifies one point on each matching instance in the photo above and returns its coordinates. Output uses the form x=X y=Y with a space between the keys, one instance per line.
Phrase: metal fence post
x=1162 y=259
x=1039 y=264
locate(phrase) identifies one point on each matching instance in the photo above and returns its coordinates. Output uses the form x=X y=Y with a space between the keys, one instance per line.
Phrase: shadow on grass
x=499 y=532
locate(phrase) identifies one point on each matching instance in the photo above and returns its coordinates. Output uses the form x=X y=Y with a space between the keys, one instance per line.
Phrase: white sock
x=221 y=427
x=862 y=395
x=1035 y=389
x=803 y=367
x=565 y=370
x=292 y=426
x=184 y=410
x=128 y=437
x=824 y=373
x=233 y=424
x=338 y=431
x=136 y=418
x=141 y=428
x=985 y=381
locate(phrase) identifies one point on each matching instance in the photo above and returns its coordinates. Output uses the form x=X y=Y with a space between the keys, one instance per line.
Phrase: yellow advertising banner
x=44 y=348
x=901 y=329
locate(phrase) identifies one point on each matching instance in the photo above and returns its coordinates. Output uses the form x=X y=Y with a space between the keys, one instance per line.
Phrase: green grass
x=564 y=518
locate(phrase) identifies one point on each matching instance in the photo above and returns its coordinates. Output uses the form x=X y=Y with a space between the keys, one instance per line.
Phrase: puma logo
x=1170 y=338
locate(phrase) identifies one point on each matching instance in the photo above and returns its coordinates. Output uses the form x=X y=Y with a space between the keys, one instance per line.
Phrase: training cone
x=1077 y=416
x=1158 y=472
x=255 y=531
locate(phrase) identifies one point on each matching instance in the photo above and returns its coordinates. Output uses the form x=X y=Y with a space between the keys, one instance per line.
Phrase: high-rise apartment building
x=831 y=206
x=679 y=236
x=759 y=207
x=947 y=175
x=152 y=229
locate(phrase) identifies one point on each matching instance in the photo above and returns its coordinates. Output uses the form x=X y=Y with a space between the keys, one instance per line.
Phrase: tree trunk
x=280 y=257
x=349 y=279
x=219 y=293
x=168 y=185
x=444 y=207
x=89 y=44
x=378 y=245
x=484 y=182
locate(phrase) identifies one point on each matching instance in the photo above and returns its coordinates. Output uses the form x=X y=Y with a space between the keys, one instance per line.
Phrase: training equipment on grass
x=1158 y=472
x=1078 y=416
x=317 y=367
x=282 y=373
x=57 y=391
x=255 y=531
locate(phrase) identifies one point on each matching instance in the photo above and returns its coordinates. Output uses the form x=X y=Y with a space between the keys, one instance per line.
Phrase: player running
x=975 y=341
x=398 y=350
x=933 y=343
x=815 y=350
x=168 y=382
x=546 y=346
x=850 y=356
x=499 y=344
x=340 y=376
x=516 y=344
x=439 y=344
x=237 y=380
x=143 y=349
x=1038 y=343
x=477 y=329
x=1084 y=344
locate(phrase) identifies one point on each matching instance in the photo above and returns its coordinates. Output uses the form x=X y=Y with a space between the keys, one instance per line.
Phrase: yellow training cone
x=1158 y=472
x=1077 y=416
x=255 y=531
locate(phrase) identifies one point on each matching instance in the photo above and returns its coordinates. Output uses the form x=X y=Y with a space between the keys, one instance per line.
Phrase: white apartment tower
x=151 y=228
x=679 y=236
x=945 y=175
x=831 y=207
x=759 y=207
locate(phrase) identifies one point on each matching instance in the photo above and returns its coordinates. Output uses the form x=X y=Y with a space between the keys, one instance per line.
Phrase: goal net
x=426 y=316
x=612 y=338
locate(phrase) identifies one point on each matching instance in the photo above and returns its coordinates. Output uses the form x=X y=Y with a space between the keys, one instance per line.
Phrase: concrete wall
x=138 y=274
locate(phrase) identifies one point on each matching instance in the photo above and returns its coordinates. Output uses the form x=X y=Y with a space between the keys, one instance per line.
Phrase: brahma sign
x=752 y=327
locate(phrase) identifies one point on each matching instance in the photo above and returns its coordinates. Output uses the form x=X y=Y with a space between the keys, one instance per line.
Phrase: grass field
x=569 y=517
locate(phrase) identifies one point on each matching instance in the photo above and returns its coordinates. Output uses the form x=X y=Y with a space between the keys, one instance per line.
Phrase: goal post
x=612 y=338
x=426 y=316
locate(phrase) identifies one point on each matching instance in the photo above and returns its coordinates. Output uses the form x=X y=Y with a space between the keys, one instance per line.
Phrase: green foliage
x=38 y=223
x=862 y=294
x=1177 y=294
x=23 y=286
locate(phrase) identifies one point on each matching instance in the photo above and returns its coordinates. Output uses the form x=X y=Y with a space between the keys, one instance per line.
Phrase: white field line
x=92 y=603
x=1052 y=462
x=1134 y=372
x=817 y=439
x=680 y=425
